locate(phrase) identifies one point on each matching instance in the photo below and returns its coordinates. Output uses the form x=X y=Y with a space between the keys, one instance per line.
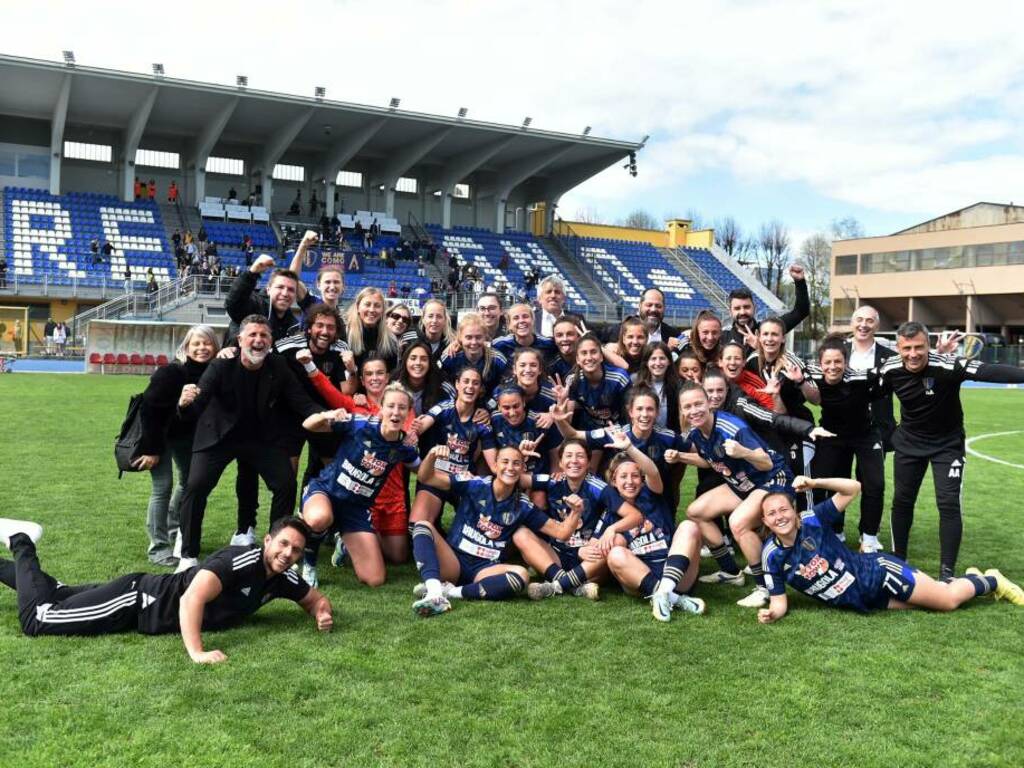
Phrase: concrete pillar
x=389 y=201
x=329 y=189
x=446 y=209
x=499 y=224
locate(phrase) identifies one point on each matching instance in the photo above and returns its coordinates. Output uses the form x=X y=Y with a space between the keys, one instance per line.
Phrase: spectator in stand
x=138 y=188
x=151 y=190
x=453 y=278
x=176 y=238
x=127 y=278
x=211 y=250
x=503 y=262
x=107 y=249
x=232 y=194
x=48 y=335
x=3 y=271
x=406 y=290
x=421 y=269
x=314 y=204
x=188 y=236
x=392 y=290
x=167 y=440
x=453 y=261
x=202 y=234
x=172 y=193
x=151 y=286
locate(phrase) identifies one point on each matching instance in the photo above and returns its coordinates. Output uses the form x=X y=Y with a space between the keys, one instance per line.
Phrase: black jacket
x=245 y=298
x=610 y=333
x=882 y=417
x=801 y=309
x=280 y=402
x=160 y=420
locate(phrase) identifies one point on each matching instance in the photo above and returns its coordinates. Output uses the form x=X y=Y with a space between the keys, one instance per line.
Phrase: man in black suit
x=741 y=308
x=242 y=404
x=865 y=353
x=652 y=311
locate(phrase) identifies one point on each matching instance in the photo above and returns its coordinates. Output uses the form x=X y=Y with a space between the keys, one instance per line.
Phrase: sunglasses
x=399 y=316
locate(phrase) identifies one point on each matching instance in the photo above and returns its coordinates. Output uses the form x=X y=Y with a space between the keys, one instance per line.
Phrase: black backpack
x=126 y=446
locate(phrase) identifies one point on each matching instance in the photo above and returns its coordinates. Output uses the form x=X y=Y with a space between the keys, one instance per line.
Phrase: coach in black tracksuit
x=243 y=406
x=931 y=431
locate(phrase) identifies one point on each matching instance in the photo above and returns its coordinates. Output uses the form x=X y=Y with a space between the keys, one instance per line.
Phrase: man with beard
x=652 y=312
x=334 y=359
x=243 y=405
x=741 y=308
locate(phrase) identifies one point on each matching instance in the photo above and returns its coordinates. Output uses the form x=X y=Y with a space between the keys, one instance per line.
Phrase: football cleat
x=688 y=604
x=661 y=606
x=1006 y=589
x=589 y=590
x=759 y=598
x=310 y=576
x=721 y=577
x=420 y=590
x=245 y=539
x=426 y=607
x=869 y=545
x=538 y=590
x=340 y=553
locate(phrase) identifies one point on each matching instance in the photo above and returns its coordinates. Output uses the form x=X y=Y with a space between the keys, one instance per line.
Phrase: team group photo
x=681 y=448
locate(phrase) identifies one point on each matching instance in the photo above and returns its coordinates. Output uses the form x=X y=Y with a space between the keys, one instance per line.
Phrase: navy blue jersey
x=541 y=402
x=653 y=446
x=601 y=506
x=740 y=474
x=560 y=367
x=821 y=566
x=505 y=434
x=461 y=437
x=600 y=404
x=483 y=526
x=363 y=462
x=651 y=539
x=507 y=345
x=451 y=365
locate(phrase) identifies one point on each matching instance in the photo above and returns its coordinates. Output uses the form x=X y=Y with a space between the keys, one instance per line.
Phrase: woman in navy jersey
x=630 y=344
x=451 y=423
x=658 y=373
x=418 y=374
x=469 y=563
x=521 y=334
x=470 y=348
x=575 y=566
x=527 y=372
x=596 y=388
x=804 y=553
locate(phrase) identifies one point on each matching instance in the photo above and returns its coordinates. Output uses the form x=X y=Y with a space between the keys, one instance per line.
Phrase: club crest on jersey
x=373 y=465
x=490 y=530
x=816 y=567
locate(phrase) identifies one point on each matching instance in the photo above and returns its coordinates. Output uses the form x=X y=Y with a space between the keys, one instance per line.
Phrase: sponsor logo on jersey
x=457 y=445
x=816 y=567
x=721 y=469
x=491 y=530
x=375 y=466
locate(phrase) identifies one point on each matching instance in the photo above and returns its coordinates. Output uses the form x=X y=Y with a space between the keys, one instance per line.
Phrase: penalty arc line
x=973 y=452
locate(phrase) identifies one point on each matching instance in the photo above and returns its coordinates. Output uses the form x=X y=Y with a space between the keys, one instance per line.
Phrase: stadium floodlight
x=69 y=58
x=463 y=111
x=393 y=104
x=526 y=122
x=319 y=92
x=242 y=81
x=643 y=141
x=586 y=131
x=158 y=70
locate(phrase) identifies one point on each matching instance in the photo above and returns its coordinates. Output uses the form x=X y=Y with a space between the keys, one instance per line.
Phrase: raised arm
x=845 y=489
x=428 y=473
x=620 y=442
x=308 y=240
x=205 y=588
x=802 y=302
x=757 y=457
x=975 y=370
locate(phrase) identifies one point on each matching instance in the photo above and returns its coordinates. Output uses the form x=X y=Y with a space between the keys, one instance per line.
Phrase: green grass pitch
x=558 y=684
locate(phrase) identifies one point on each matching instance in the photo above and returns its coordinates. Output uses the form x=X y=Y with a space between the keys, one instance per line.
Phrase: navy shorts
x=780 y=482
x=348 y=517
x=470 y=566
x=444 y=496
x=567 y=558
x=897 y=581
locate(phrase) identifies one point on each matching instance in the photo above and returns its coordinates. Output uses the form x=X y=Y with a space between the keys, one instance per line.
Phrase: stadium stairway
x=698 y=278
x=601 y=303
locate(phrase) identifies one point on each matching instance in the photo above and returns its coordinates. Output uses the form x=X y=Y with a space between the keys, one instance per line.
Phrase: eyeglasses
x=399 y=316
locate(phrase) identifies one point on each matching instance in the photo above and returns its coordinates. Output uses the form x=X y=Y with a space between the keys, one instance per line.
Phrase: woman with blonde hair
x=470 y=350
x=167 y=440
x=365 y=329
x=434 y=328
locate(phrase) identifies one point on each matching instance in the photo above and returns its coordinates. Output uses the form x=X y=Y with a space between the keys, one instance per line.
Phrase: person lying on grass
x=805 y=553
x=231 y=584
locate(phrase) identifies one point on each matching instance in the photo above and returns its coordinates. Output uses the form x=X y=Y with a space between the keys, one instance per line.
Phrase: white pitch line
x=992 y=458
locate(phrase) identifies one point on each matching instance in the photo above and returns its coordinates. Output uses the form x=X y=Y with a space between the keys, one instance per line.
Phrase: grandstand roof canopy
x=109 y=98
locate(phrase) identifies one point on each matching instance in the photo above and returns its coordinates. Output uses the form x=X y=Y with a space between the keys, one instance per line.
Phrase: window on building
x=284 y=172
x=229 y=166
x=842 y=311
x=846 y=265
x=77 y=150
x=406 y=184
x=155 y=159
x=461 y=191
x=352 y=179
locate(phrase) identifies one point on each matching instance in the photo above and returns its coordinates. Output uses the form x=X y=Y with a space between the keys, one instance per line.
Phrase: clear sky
x=891 y=112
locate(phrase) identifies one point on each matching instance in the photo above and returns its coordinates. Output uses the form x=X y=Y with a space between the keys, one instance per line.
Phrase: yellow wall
x=677 y=232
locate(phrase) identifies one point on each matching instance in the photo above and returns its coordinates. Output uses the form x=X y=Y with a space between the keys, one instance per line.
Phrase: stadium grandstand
x=106 y=175
x=962 y=270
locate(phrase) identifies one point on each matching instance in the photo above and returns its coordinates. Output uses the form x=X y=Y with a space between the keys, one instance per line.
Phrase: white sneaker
x=310 y=576
x=426 y=607
x=420 y=590
x=870 y=544
x=721 y=577
x=705 y=552
x=246 y=539
x=176 y=551
x=589 y=590
x=185 y=563
x=688 y=604
x=759 y=598
x=661 y=606
x=9 y=527
x=538 y=590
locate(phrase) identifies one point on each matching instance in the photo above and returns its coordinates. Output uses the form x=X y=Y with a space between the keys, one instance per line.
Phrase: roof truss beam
x=132 y=138
x=408 y=157
x=57 y=122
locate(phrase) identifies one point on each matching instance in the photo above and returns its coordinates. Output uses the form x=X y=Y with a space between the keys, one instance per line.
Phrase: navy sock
x=552 y=572
x=757 y=573
x=675 y=569
x=424 y=553
x=982 y=584
x=726 y=562
x=312 y=551
x=499 y=587
x=648 y=585
x=570 y=580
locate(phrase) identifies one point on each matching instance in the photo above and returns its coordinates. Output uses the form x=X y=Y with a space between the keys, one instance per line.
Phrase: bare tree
x=816 y=255
x=589 y=215
x=696 y=219
x=772 y=254
x=640 y=219
x=846 y=228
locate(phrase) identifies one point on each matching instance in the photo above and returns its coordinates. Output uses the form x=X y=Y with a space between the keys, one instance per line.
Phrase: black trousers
x=799 y=457
x=47 y=607
x=247 y=489
x=271 y=463
x=948 y=464
x=833 y=457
